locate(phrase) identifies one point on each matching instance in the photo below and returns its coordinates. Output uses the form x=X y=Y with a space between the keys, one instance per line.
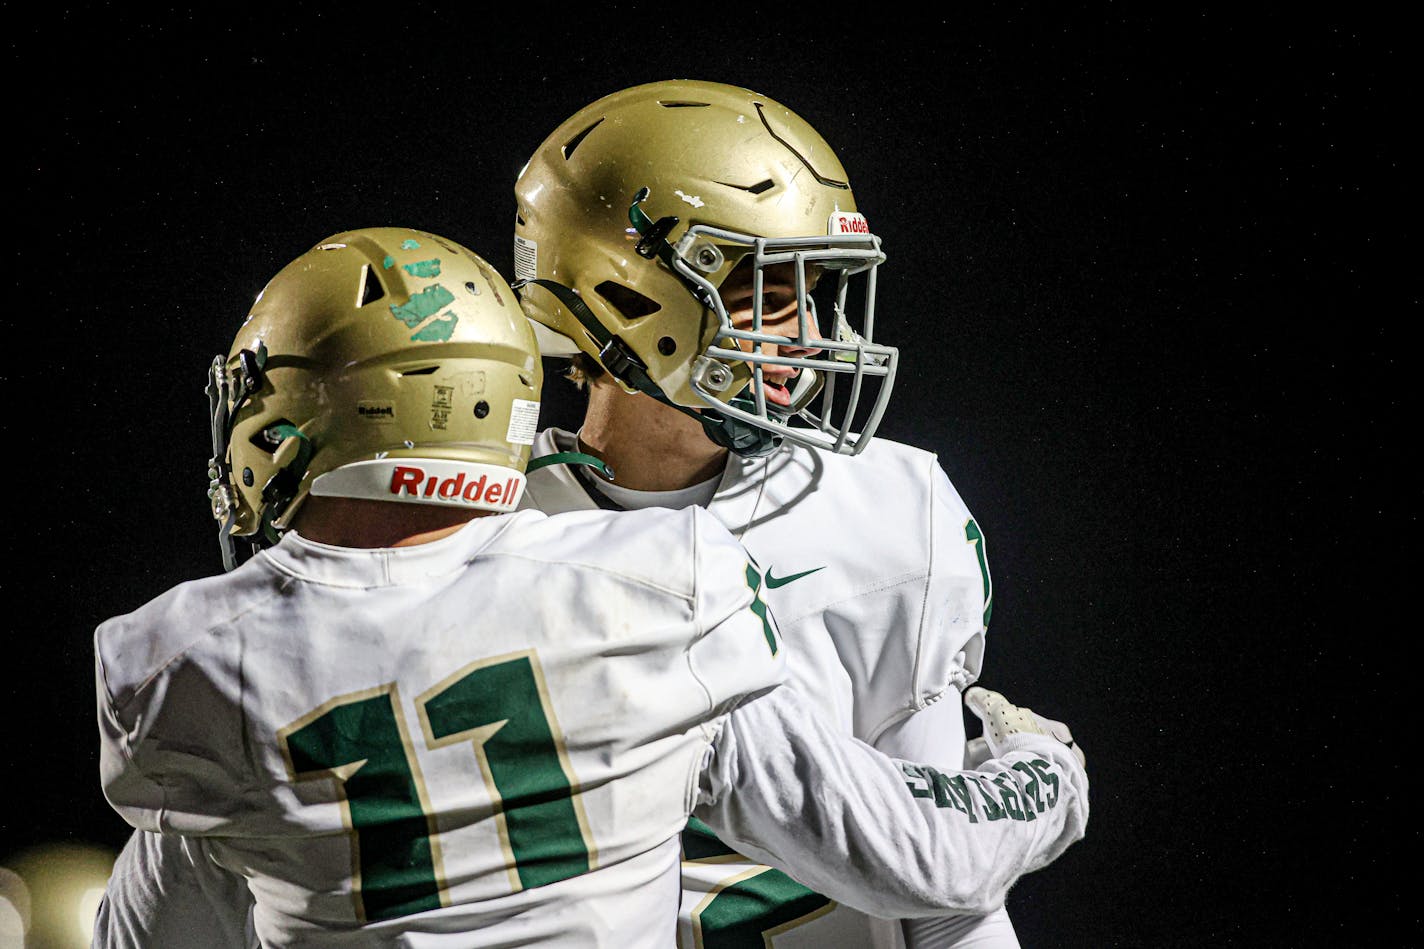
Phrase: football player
x=411 y=714
x=697 y=251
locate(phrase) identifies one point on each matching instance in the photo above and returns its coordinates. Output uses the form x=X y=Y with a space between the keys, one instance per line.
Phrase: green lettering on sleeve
x=1050 y=780
x=1031 y=786
x=992 y=810
x=960 y=791
x=945 y=795
x=916 y=780
x=1009 y=794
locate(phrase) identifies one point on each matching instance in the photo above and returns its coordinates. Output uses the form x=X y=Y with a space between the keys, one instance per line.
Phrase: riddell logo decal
x=414 y=482
x=375 y=410
x=845 y=222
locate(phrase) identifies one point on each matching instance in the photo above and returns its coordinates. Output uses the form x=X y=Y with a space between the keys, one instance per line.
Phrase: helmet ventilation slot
x=632 y=304
x=577 y=140
x=683 y=105
x=761 y=187
x=423 y=371
x=371 y=289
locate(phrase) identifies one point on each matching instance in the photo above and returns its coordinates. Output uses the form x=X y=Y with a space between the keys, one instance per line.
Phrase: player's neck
x=366 y=524
x=649 y=446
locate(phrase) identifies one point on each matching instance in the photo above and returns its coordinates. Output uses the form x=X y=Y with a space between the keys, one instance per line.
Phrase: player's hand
x=1001 y=719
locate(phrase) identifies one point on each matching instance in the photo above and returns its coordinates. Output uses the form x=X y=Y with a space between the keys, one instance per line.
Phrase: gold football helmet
x=383 y=363
x=634 y=213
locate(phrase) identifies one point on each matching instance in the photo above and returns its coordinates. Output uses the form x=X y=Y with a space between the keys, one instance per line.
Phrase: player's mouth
x=775 y=389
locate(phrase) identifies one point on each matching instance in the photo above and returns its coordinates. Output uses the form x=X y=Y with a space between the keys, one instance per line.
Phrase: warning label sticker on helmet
x=523 y=422
x=526 y=258
x=847 y=222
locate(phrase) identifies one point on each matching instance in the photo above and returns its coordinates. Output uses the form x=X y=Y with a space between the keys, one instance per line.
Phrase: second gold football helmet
x=634 y=213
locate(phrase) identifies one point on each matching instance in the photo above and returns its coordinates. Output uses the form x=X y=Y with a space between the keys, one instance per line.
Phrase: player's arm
x=951 y=653
x=890 y=838
x=166 y=890
x=934 y=735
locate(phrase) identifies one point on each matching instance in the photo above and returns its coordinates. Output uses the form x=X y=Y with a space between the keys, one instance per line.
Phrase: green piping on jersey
x=973 y=535
x=759 y=607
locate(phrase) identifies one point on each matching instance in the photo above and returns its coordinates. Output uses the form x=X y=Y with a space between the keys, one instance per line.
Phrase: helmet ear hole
x=632 y=304
x=267 y=439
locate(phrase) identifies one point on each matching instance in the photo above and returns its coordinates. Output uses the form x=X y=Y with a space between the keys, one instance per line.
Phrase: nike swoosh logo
x=773 y=582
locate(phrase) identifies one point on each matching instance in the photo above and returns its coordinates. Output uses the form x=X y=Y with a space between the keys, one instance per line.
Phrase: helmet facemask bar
x=228 y=391
x=843 y=351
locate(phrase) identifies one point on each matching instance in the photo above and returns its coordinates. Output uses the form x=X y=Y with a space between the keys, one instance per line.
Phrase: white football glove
x=1001 y=719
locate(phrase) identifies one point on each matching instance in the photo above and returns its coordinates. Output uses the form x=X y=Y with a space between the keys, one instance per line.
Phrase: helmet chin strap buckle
x=619 y=360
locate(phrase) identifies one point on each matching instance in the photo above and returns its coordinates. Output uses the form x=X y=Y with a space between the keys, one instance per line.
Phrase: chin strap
x=571 y=458
x=625 y=366
x=281 y=488
x=613 y=354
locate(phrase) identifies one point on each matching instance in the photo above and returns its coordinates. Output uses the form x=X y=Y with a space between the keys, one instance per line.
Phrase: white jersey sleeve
x=889 y=838
x=168 y=890
x=934 y=736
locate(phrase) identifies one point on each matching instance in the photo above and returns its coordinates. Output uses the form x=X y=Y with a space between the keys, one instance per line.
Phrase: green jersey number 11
x=498 y=705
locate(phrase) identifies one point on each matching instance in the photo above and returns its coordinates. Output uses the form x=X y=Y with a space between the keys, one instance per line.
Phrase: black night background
x=1146 y=272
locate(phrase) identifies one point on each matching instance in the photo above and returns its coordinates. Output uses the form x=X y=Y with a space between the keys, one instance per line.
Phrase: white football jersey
x=877 y=575
x=493 y=739
x=891 y=838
